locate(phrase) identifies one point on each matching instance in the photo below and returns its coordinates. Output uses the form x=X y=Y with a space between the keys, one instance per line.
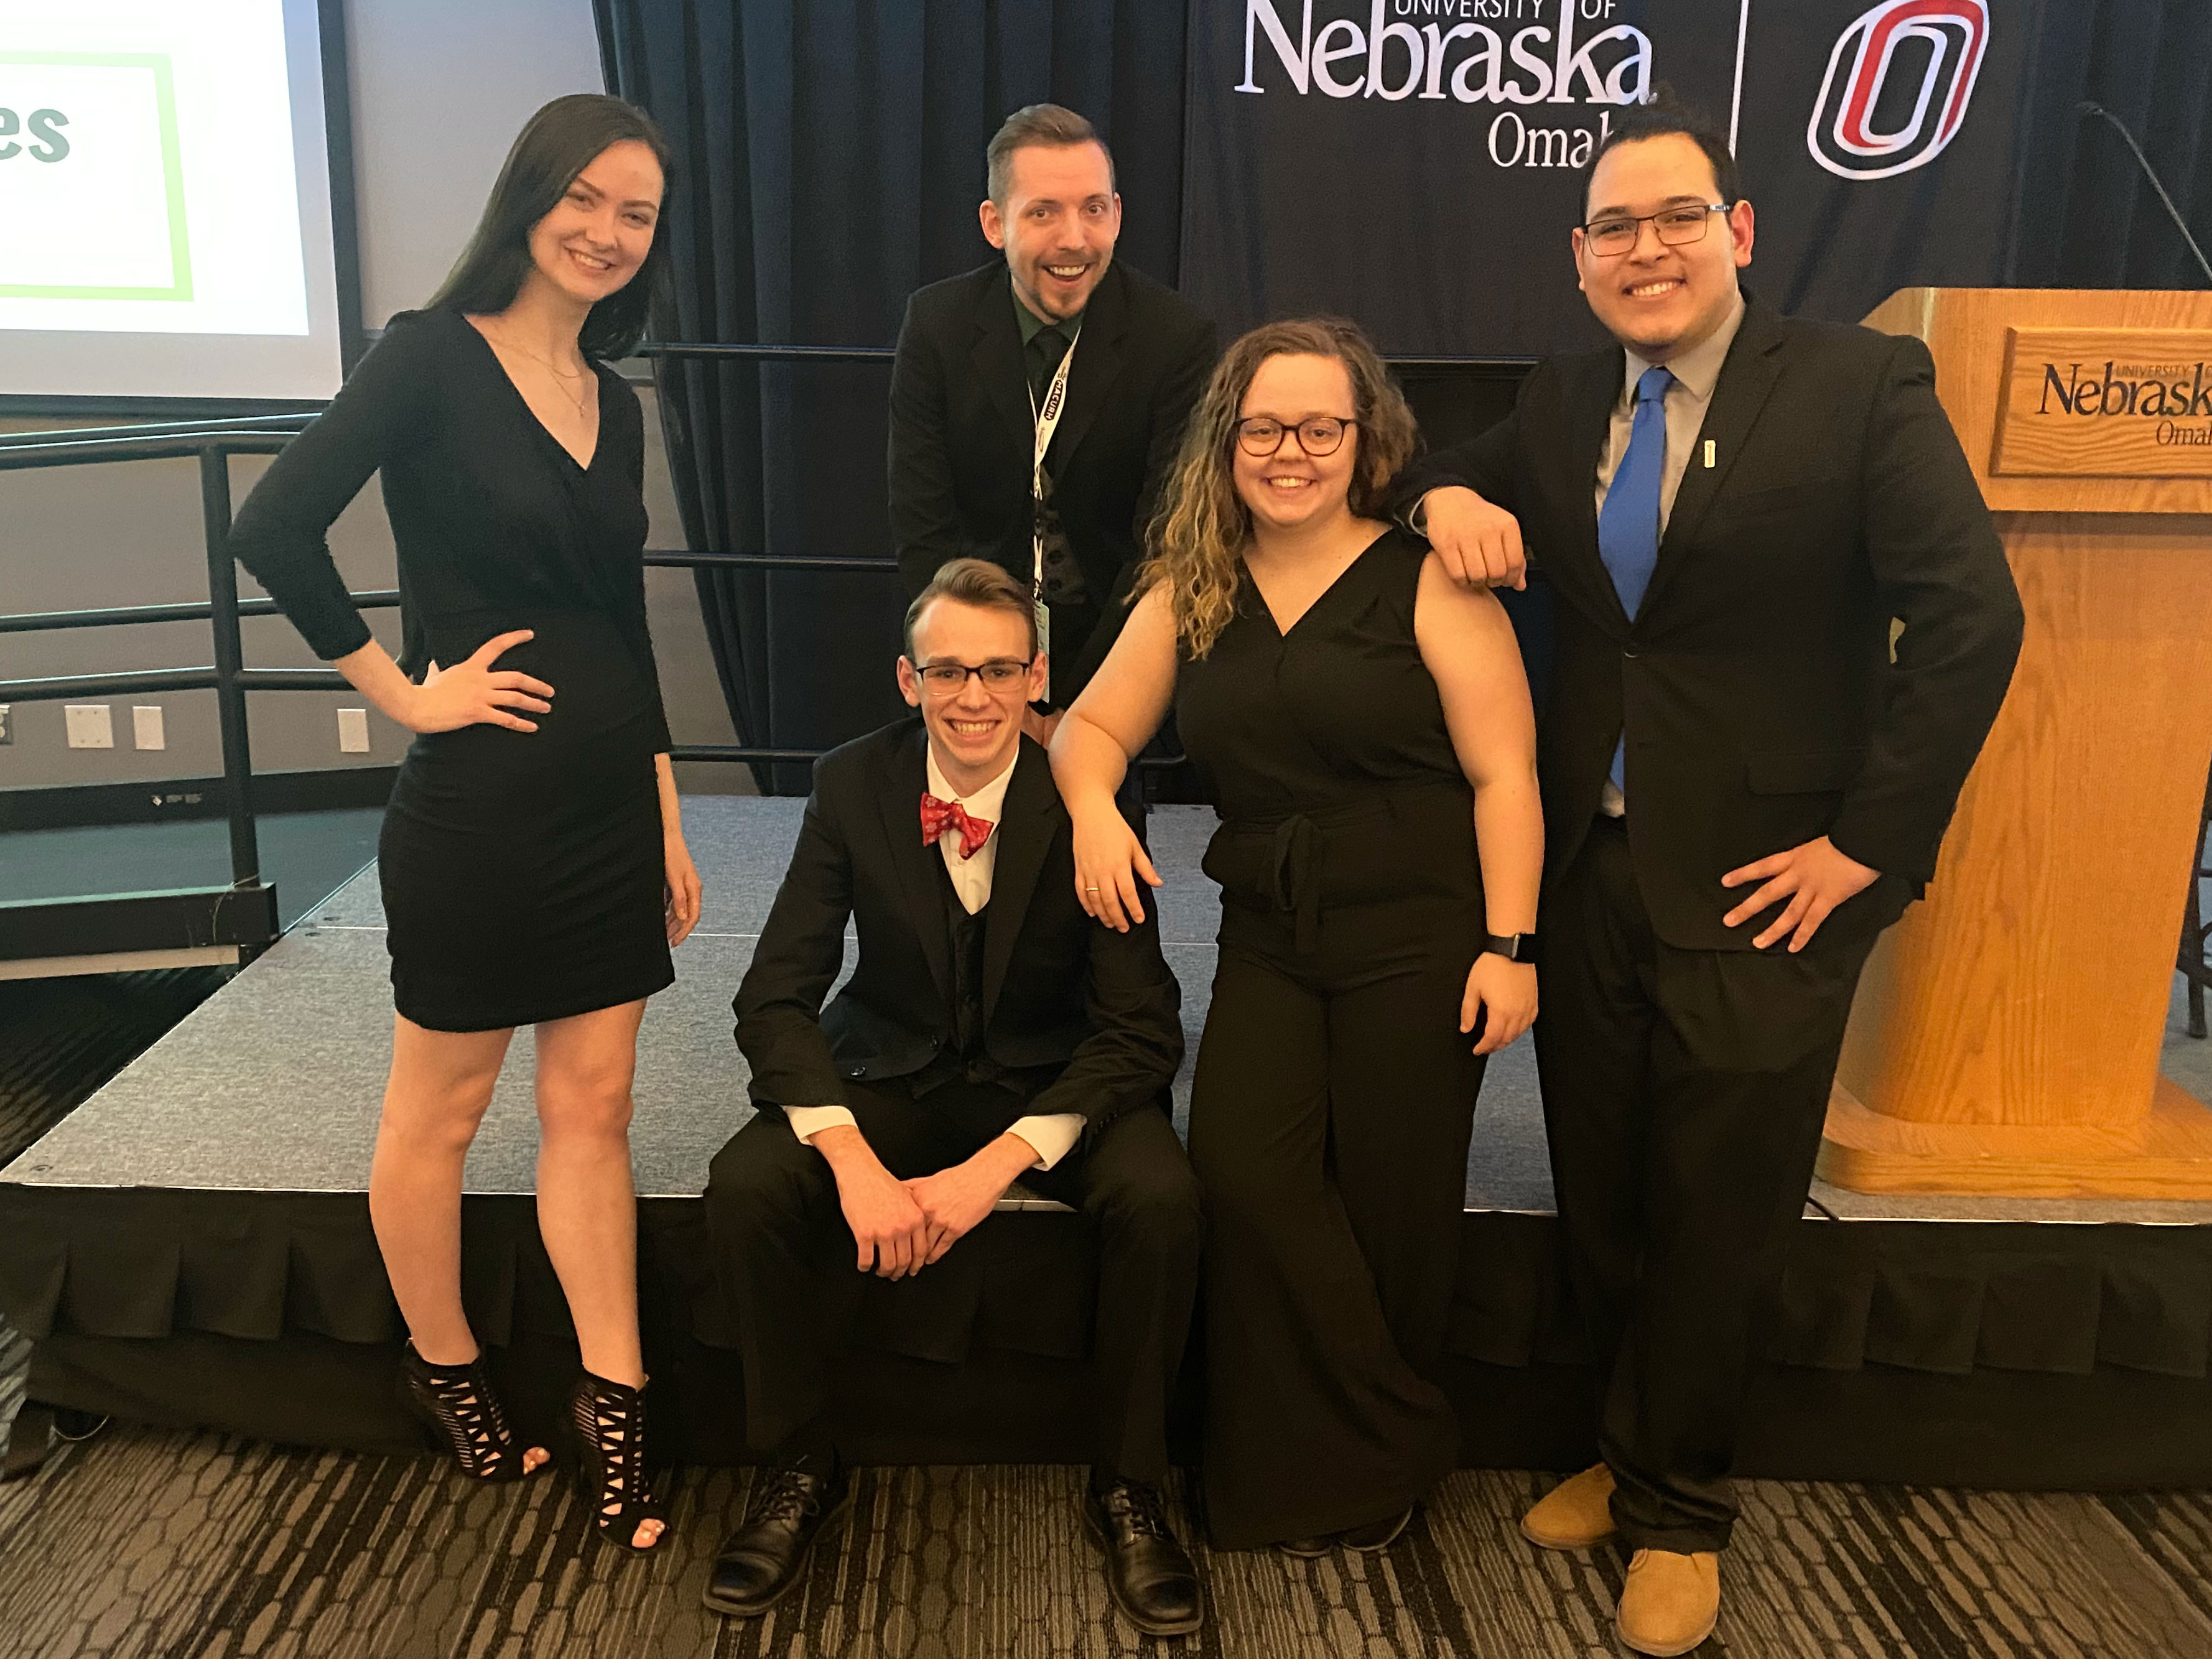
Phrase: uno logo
x=1951 y=34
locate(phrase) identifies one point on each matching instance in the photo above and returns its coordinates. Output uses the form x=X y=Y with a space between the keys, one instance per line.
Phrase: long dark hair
x=557 y=144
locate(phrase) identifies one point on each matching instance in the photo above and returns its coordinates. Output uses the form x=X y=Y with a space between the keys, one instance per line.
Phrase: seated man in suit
x=991 y=1032
x=972 y=397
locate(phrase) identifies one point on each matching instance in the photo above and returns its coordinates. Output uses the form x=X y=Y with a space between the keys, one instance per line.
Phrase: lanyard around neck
x=1046 y=416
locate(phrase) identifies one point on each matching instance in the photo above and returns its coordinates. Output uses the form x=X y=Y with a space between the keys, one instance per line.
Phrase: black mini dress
x=522 y=871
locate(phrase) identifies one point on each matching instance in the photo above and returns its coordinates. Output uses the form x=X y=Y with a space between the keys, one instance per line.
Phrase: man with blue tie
x=1783 y=624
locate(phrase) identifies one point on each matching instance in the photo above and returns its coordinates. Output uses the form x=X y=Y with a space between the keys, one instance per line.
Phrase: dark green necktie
x=1046 y=347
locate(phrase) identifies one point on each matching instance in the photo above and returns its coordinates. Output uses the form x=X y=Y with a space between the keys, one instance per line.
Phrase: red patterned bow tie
x=939 y=816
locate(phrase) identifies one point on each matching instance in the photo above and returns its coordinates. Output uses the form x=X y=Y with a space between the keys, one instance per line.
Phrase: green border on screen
x=165 y=104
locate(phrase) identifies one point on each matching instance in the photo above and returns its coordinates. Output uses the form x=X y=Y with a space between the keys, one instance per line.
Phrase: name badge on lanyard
x=1047 y=422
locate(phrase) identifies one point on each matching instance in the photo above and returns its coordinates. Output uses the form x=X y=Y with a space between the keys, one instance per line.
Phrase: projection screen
x=166 y=226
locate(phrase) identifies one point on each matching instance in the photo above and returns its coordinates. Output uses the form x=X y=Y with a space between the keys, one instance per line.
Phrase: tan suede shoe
x=1575 y=1514
x=1670 y=1602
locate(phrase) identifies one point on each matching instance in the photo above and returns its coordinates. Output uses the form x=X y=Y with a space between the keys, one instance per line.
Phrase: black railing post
x=229 y=695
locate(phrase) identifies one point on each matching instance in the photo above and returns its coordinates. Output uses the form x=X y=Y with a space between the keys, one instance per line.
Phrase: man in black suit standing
x=991 y=1032
x=1744 y=782
x=986 y=461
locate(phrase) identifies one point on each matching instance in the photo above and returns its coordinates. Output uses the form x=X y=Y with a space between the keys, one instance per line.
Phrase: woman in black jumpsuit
x=1361 y=721
x=532 y=864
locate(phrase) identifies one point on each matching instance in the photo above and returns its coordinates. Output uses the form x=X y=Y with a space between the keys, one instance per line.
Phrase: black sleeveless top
x=1325 y=751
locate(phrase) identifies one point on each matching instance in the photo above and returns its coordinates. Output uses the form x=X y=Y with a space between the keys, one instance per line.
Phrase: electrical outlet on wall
x=353 y=731
x=91 y=725
x=6 y=725
x=147 y=728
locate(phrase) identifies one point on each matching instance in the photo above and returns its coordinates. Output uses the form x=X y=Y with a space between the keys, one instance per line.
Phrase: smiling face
x=1658 y=300
x=1057 y=225
x=975 y=731
x=1287 y=488
x=597 y=234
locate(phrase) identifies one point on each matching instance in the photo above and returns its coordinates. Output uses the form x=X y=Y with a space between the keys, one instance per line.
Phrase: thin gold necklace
x=560 y=377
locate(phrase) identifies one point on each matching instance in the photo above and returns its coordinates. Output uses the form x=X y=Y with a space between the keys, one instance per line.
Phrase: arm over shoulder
x=1485 y=463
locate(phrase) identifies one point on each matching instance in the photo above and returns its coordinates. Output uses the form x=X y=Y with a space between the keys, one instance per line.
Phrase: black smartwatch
x=1513 y=947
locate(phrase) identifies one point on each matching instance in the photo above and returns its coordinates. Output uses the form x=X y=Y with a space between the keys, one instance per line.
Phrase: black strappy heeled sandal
x=607 y=1426
x=457 y=1404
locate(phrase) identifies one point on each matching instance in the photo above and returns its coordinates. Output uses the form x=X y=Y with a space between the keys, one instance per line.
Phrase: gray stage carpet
x=274 y=1083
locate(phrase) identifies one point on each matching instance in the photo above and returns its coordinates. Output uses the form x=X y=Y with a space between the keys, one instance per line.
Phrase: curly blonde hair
x=1199 y=532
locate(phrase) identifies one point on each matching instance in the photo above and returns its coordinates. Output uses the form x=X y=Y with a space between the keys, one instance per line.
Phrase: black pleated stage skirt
x=522 y=871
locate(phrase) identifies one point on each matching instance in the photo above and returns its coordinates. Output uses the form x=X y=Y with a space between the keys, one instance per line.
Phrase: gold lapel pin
x=1709 y=454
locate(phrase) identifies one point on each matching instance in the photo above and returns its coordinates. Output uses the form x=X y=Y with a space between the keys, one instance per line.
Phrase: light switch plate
x=91 y=725
x=147 y=729
x=353 y=731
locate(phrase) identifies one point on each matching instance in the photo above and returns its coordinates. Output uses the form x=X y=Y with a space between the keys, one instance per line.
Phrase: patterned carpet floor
x=174 y=1546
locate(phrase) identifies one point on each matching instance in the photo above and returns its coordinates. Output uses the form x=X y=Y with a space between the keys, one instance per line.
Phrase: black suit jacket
x=1756 y=685
x=1078 y=1018
x=961 y=436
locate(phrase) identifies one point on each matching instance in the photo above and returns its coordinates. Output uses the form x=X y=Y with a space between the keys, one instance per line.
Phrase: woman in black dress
x=1365 y=726
x=533 y=867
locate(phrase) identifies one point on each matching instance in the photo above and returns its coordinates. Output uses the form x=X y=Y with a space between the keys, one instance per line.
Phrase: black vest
x=962 y=1054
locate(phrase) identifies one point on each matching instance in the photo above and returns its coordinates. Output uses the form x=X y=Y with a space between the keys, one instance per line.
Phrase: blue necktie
x=1628 y=524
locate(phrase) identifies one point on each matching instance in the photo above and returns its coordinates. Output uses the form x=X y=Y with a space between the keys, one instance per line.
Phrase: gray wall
x=439 y=92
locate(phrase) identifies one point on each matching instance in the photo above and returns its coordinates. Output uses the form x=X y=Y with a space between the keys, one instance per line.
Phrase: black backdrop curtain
x=2091 y=221
x=830 y=161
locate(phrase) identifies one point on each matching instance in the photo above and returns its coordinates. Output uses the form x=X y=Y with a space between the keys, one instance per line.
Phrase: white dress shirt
x=1696 y=372
x=1052 y=1135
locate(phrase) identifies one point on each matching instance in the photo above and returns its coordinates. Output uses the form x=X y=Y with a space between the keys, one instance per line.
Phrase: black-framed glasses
x=1611 y=237
x=1318 y=434
x=950 y=679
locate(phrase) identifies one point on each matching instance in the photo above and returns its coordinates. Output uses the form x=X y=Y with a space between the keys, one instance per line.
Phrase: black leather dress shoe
x=763 y=1559
x=1147 y=1571
x=1308 y=1549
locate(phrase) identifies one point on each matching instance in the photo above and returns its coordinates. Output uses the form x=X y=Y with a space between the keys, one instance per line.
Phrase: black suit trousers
x=1684 y=1095
x=785 y=1256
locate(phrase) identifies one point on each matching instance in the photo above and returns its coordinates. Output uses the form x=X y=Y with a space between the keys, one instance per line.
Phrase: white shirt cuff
x=1051 y=1138
x=807 y=1122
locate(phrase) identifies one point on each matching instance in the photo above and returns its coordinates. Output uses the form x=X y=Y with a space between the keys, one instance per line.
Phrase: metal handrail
x=228 y=676
x=66 y=450
x=41 y=621
x=216 y=425
x=681 y=557
x=766 y=353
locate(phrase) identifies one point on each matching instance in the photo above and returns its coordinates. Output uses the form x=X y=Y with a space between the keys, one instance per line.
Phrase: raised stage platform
x=192 y=1247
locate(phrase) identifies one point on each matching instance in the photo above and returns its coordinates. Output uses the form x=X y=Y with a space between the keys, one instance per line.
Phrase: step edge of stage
x=1030 y=1205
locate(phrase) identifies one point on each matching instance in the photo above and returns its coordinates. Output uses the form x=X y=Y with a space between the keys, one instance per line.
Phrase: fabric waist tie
x=1295 y=877
x=1294 y=869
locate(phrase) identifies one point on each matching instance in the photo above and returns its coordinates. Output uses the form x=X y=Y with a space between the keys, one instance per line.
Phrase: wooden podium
x=2007 y=1032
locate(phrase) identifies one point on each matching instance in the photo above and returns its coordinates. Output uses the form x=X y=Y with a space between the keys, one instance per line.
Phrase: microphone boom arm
x=2090 y=106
